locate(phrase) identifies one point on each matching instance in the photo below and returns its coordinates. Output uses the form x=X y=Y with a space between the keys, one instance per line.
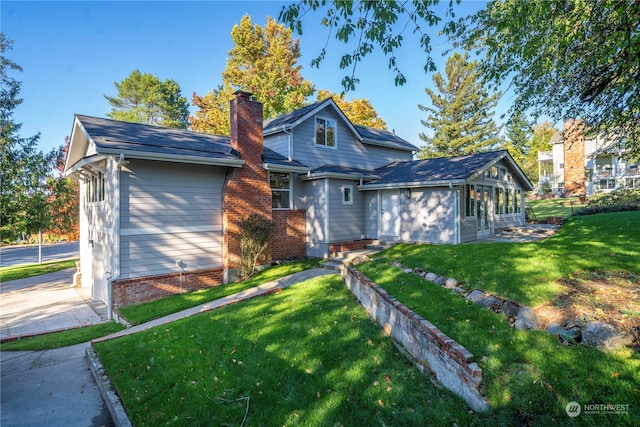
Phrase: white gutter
x=116 y=237
x=290 y=141
x=410 y=185
x=176 y=158
x=284 y=168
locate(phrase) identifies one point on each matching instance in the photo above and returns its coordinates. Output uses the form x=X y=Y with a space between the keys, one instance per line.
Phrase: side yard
x=313 y=350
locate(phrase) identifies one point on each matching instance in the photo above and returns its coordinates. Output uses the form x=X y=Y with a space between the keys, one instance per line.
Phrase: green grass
x=556 y=207
x=528 y=272
x=62 y=338
x=528 y=376
x=147 y=311
x=308 y=355
x=30 y=270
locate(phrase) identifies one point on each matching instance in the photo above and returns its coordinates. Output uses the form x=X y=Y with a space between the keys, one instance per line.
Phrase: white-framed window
x=280 y=190
x=326 y=132
x=347 y=194
x=96 y=188
x=470 y=201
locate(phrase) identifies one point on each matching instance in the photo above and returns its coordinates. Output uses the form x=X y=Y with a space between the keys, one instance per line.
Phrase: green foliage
x=23 y=193
x=371 y=24
x=540 y=141
x=461 y=112
x=255 y=233
x=143 y=98
x=574 y=58
x=621 y=201
x=519 y=135
x=62 y=338
x=358 y=111
x=263 y=61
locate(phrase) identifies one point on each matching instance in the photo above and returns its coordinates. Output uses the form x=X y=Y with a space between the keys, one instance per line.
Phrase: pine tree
x=519 y=135
x=143 y=98
x=462 y=112
x=263 y=61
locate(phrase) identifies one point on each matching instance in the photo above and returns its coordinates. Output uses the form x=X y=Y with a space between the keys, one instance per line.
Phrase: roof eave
x=284 y=168
x=142 y=155
x=413 y=184
x=336 y=175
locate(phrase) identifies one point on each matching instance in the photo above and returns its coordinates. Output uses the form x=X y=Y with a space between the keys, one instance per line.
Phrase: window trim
x=343 y=193
x=281 y=190
x=335 y=132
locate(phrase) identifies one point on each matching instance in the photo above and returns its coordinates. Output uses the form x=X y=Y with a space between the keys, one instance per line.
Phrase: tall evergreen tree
x=263 y=61
x=519 y=135
x=143 y=98
x=461 y=114
x=24 y=167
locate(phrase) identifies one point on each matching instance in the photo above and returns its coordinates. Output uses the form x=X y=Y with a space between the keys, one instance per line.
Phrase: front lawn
x=556 y=207
x=147 y=311
x=62 y=338
x=30 y=270
x=530 y=273
x=308 y=355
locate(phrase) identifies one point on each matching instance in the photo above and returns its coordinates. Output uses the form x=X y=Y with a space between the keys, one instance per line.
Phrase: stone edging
x=109 y=395
x=452 y=364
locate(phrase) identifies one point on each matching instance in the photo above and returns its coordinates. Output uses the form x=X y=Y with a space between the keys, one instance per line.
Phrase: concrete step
x=332 y=265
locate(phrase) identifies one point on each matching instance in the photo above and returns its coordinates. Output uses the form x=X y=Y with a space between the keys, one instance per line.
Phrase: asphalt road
x=16 y=255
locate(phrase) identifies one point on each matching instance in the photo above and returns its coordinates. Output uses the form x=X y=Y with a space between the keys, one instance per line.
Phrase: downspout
x=456 y=211
x=289 y=143
x=116 y=237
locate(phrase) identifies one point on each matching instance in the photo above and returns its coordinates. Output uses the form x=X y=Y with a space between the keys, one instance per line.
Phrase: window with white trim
x=347 y=194
x=325 y=132
x=470 y=201
x=96 y=188
x=280 y=190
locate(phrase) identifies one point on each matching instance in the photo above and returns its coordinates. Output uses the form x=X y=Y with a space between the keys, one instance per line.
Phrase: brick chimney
x=247 y=189
x=574 y=168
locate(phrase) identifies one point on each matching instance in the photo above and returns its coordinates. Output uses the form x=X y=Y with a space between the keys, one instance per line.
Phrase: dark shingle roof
x=434 y=170
x=288 y=119
x=112 y=135
x=384 y=137
x=271 y=157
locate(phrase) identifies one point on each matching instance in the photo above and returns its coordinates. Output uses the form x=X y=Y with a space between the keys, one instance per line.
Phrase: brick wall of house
x=289 y=239
x=134 y=291
x=574 y=168
x=247 y=189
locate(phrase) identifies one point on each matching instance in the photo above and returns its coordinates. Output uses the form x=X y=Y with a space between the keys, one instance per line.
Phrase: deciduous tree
x=143 y=98
x=461 y=114
x=564 y=58
x=359 y=111
x=263 y=61
x=24 y=167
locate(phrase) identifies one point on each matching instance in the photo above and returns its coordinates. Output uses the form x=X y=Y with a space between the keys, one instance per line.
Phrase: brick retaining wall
x=451 y=363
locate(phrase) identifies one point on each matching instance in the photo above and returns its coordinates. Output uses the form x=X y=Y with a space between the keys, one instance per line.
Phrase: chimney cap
x=243 y=94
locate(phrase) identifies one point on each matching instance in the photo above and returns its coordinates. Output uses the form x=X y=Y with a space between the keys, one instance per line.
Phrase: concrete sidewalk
x=45 y=303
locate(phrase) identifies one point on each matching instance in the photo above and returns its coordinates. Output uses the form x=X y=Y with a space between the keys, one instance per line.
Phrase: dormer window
x=325 y=132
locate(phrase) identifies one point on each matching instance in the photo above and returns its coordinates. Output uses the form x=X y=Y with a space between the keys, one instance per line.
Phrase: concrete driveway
x=52 y=387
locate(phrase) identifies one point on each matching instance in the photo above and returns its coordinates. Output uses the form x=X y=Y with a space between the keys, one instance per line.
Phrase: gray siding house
x=158 y=205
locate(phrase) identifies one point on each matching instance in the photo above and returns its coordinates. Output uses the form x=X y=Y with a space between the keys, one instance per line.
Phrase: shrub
x=255 y=233
x=621 y=201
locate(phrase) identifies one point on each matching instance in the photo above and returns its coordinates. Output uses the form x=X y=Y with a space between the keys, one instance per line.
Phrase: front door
x=389 y=214
x=483 y=199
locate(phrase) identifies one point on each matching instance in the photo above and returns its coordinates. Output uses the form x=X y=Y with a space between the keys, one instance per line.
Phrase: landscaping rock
x=526 y=319
x=571 y=334
x=431 y=276
x=605 y=336
x=408 y=270
x=510 y=309
x=476 y=296
x=439 y=280
x=450 y=283
x=458 y=289
x=555 y=329
x=491 y=302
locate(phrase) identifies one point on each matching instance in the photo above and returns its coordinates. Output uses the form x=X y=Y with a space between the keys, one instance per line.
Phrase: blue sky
x=73 y=52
